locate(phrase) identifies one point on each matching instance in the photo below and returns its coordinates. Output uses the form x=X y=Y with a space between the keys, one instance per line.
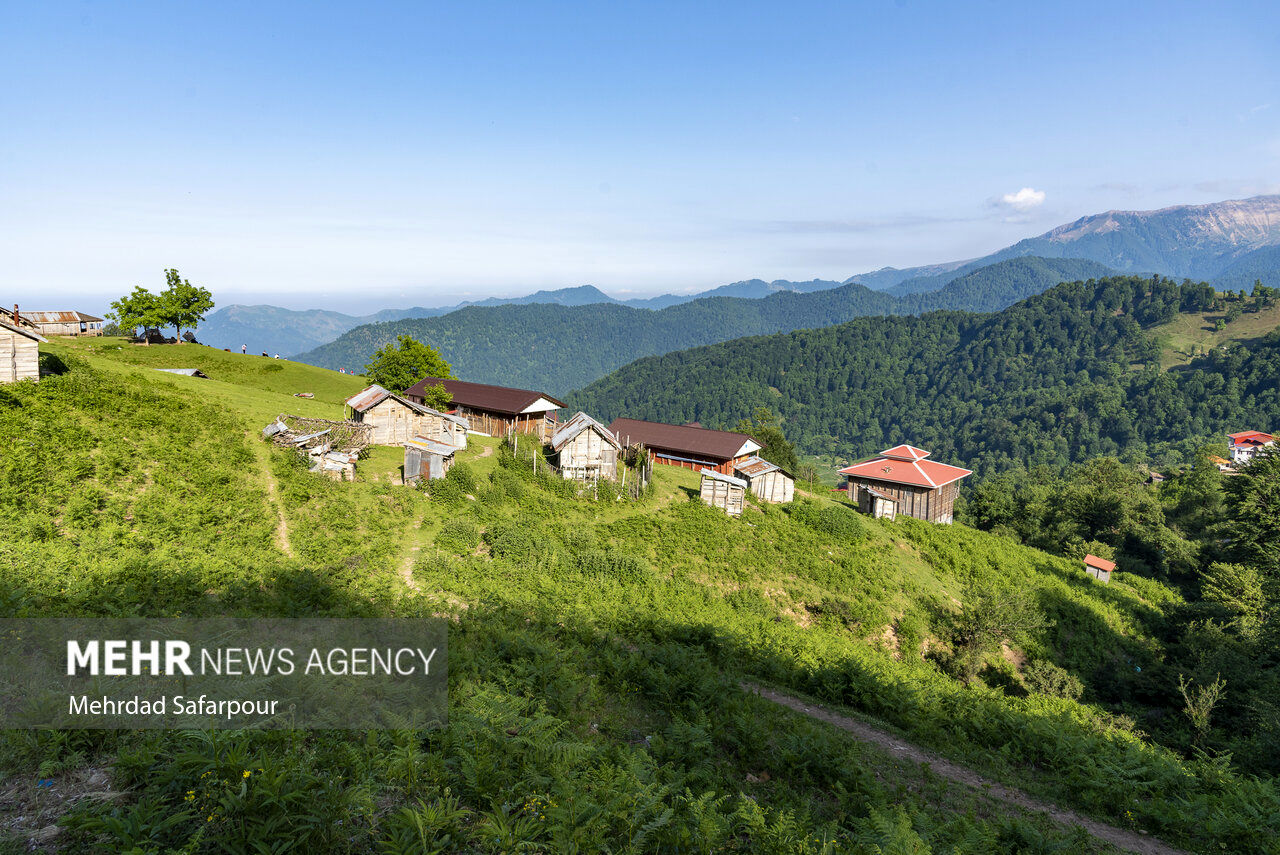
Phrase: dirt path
x=273 y=496
x=411 y=558
x=896 y=747
x=488 y=451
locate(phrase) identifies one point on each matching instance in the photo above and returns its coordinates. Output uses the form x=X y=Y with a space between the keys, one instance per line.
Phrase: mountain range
x=560 y=348
x=1230 y=243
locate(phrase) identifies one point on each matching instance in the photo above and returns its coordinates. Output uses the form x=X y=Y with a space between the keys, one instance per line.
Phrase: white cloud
x=1024 y=200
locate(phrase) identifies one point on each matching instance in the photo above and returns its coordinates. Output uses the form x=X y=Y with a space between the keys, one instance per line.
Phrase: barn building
x=924 y=489
x=723 y=491
x=1099 y=568
x=688 y=446
x=586 y=449
x=396 y=419
x=60 y=323
x=1245 y=445
x=767 y=481
x=19 y=353
x=427 y=458
x=496 y=410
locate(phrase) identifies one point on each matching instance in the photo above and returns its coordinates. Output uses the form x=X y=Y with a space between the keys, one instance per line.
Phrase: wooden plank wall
x=19 y=358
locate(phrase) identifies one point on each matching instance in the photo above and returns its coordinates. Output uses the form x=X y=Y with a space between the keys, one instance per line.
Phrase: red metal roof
x=481 y=396
x=905 y=464
x=1250 y=438
x=1099 y=563
x=58 y=317
x=682 y=439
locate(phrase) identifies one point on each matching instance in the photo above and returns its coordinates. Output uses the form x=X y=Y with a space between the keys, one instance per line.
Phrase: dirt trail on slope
x=896 y=747
x=269 y=479
x=411 y=557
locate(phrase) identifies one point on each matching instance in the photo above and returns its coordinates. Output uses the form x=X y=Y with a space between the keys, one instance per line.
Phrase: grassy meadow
x=597 y=649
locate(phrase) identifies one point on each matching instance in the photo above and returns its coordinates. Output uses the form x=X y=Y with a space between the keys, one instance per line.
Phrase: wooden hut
x=1099 y=568
x=924 y=489
x=723 y=491
x=768 y=482
x=688 y=446
x=61 y=323
x=877 y=503
x=427 y=458
x=395 y=419
x=586 y=449
x=495 y=410
x=19 y=353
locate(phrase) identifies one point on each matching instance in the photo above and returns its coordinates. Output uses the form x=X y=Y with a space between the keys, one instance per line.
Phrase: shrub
x=458 y=536
x=1048 y=679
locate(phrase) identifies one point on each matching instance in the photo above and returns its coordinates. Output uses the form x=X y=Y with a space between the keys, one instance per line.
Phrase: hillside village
x=406 y=501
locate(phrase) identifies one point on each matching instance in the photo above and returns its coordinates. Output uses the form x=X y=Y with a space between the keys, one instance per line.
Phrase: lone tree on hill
x=398 y=368
x=179 y=305
x=139 y=309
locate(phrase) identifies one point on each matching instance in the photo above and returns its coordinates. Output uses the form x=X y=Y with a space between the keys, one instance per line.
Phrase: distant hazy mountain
x=558 y=348
x=287 y=331
x=1233 y=239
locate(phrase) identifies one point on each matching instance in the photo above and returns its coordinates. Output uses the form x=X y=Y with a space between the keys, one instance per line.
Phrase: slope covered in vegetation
x=1064 y=376
x=558 y=348
x=596 y=651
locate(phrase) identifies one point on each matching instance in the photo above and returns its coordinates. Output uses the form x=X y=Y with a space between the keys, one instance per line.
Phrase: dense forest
x=558 y=348
x=1065 y=376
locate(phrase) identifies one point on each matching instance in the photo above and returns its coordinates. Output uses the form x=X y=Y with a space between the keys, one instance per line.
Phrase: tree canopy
x=399 y=365
x=180 y=305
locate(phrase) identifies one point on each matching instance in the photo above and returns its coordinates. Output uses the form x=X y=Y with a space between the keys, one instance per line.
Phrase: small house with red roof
x=1245 y=445
x=1099 y=568
x=916 y=487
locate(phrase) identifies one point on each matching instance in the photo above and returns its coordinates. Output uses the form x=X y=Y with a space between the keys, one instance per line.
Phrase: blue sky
x=359 y=156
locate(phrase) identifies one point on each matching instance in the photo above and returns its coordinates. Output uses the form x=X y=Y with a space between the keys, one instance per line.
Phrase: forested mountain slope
x=560 y=348
x=1066 y=375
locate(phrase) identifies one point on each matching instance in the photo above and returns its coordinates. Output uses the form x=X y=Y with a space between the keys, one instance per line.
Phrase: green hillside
x=559 y=348
x=1071 y=374
x=597 y=651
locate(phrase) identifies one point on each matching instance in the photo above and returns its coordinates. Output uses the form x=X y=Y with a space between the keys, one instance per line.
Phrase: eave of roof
x=685 y=440
x=482 y=396
x=34 y=336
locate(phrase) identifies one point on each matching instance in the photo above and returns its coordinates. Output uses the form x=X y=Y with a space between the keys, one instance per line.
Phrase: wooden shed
x=877 y=503
x=1099 y=568
x=62 y=323
x=924 y=489
x=586 y=449
x=427 y=458
x=495 y=410
x=395 y=419
x=19 y=353
x=723 y=491
x=767 y=481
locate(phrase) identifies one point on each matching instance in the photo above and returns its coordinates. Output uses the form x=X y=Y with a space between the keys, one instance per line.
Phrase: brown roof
x=1100 y=563
x=753 y=466
x=682 y=439
x=481 y=396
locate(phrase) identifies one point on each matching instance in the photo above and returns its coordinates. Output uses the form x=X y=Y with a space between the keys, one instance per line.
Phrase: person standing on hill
x=244 y=349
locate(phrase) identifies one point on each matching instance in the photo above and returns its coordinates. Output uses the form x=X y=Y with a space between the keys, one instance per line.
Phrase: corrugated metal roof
x=720 y=476
x=753 y=466
x=58 y=317
x=721 y=444
x=576 y=425
x=880 y=494
x=370 y=397
x=481 y=396
x=432 y=445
